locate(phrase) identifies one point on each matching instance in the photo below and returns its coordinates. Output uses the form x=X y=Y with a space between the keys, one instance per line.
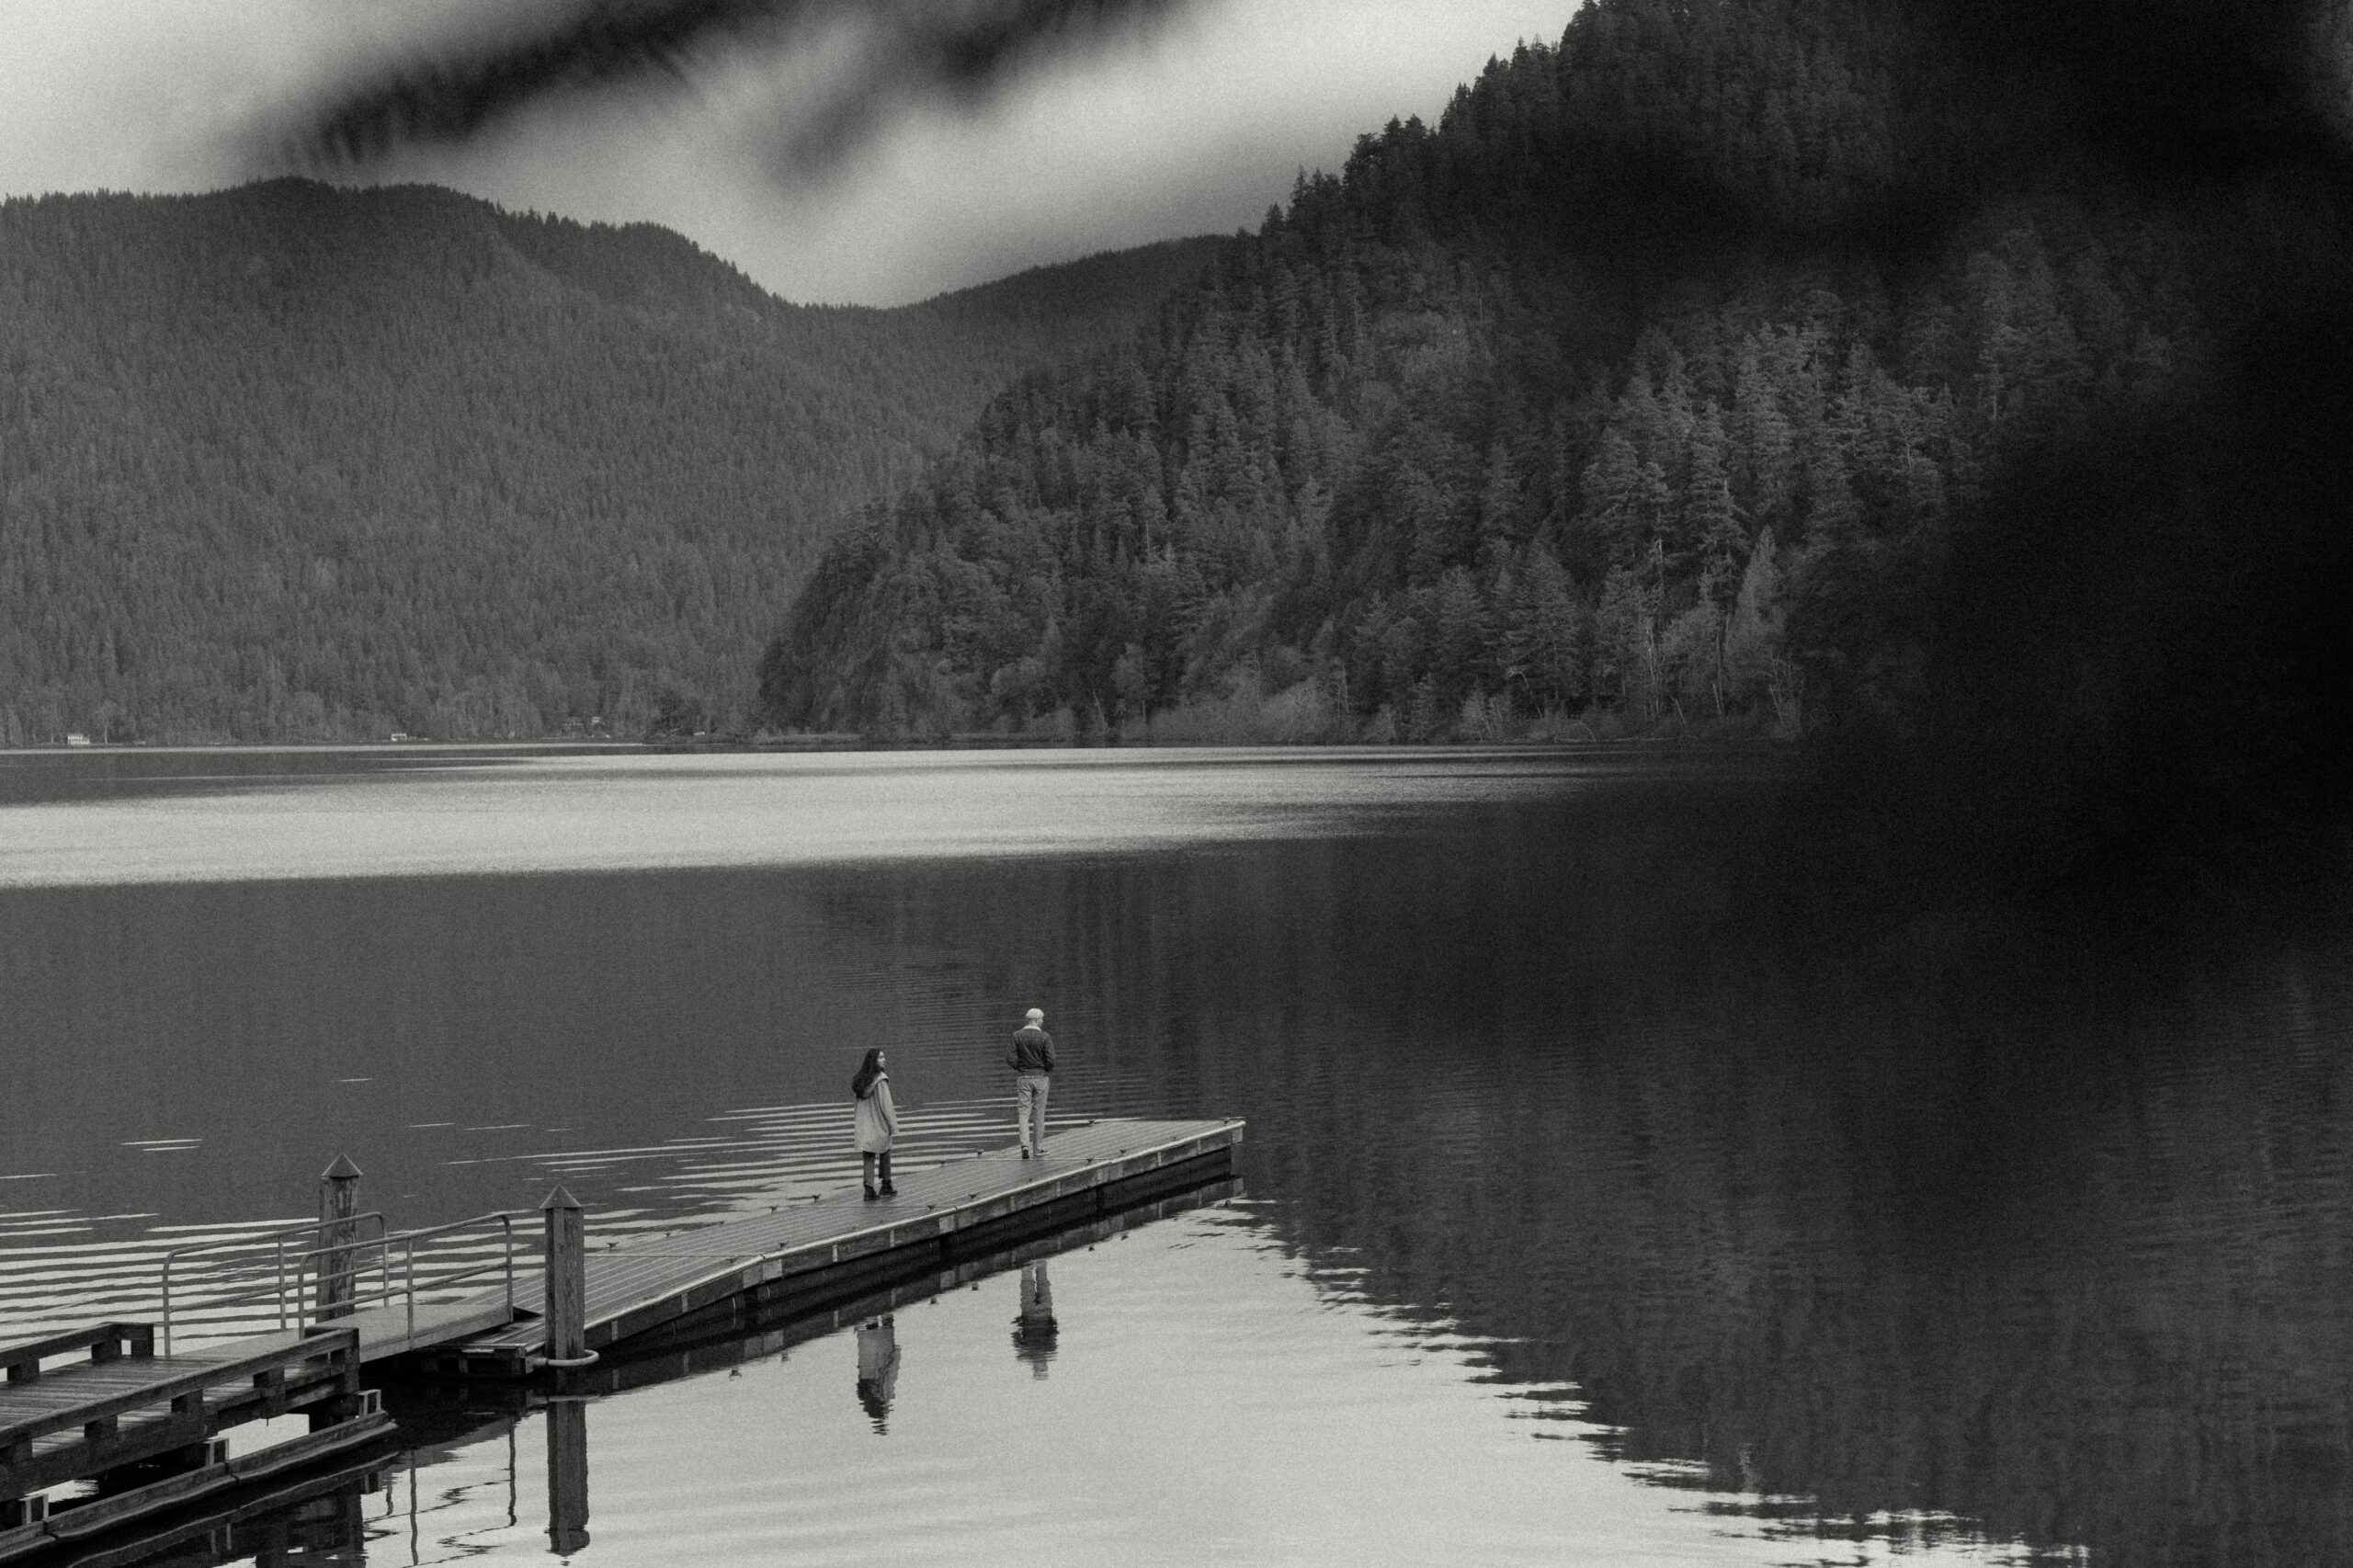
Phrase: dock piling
x=567 y=1420
x=339 y=1217
x=567 y=1281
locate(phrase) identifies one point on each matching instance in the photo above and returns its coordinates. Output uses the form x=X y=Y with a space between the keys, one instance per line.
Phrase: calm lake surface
x=1608 y=1197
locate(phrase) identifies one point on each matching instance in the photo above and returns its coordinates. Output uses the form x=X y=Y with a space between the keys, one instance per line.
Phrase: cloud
x=1191 y=118
x=485 y=67
x=1193 y=125
x=150 y=94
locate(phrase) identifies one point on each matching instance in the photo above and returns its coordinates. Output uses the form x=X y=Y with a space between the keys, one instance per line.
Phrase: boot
x=888 y=1190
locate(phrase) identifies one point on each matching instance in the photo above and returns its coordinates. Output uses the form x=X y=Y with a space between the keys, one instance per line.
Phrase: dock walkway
x=813 y=1252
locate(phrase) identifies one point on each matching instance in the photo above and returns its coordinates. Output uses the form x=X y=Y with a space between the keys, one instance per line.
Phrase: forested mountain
x=1850 y=367
x=297 y=462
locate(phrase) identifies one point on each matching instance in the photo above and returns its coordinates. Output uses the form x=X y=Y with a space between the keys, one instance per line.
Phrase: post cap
x=342 y=1170
x=560 y=1198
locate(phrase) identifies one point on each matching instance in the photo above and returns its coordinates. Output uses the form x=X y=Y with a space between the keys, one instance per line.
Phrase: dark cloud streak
x=466 y=83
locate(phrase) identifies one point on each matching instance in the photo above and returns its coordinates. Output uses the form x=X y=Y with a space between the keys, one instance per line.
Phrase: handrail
x=408 y=1239
x=299 y=1296
x=507 y=1216
x=253 y=1240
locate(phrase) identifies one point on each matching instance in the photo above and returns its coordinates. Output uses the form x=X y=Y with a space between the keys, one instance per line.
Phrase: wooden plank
x=103 y=1341
x=183 y=1528
x=279 y=1457
x=300 y=1391
x=26 y=1411
x=75 y=1461
x=106 y=1513
x=385 y=1331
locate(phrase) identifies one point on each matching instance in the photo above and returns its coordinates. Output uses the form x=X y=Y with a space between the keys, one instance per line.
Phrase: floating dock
x=744 y=1328
x=144 y=1430
x=810 y=1256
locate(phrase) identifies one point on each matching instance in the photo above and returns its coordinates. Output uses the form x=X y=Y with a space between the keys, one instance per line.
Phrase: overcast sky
x=1192 y=125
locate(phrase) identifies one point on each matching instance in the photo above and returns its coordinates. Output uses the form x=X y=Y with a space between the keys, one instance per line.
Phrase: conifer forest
x=1752 y=368
x=293 y=463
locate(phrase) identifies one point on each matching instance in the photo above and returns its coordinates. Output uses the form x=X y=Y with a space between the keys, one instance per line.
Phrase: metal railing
x=296 y=1284
x=407 y=1240
x=241 y=1253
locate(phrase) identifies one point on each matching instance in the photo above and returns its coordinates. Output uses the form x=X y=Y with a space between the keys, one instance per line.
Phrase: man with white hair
x=1031 y=1058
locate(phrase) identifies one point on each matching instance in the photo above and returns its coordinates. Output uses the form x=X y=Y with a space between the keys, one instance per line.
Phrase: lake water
x=1610 y=1195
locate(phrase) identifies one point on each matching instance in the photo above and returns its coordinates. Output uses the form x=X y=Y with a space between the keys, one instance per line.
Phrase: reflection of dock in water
x=811 y=1257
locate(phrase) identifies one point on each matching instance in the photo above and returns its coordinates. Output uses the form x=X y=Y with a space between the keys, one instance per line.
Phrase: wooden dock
x=810 y=1256
x=746 y=1328
x=145 y=1428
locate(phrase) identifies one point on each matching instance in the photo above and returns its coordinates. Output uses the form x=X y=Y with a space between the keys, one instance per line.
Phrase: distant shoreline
x=854 y=743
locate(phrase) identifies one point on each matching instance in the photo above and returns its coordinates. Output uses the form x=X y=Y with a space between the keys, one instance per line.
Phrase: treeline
x=1677 y=380
x=294 y=463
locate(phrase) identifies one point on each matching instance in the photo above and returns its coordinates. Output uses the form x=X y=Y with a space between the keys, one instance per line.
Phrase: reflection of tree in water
x=1034 y=1331
x=878 y=1370
x=1981 y=1218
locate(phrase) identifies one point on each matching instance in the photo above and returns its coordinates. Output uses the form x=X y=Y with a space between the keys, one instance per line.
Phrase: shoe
x=890 y=1191
x=871 y=1194
x=1025 y=1154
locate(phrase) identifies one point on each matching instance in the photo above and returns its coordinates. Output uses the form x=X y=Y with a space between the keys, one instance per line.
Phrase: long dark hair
x=870 y=1070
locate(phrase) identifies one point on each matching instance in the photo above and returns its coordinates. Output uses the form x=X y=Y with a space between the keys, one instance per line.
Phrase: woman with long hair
x=877 y=1122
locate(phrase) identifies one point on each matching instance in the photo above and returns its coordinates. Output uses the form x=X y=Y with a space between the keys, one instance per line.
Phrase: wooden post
x=567 y=1476
x=274 y=1541
x=338 y=1205
x=346 y=1533
x=344 y=1363
x=567 y=1276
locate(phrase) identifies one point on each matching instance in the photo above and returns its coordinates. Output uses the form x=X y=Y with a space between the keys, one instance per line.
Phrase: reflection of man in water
x=1034 y=1331
x=878 y=1368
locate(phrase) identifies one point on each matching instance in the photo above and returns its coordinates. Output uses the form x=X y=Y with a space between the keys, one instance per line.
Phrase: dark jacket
x=1032 y=1051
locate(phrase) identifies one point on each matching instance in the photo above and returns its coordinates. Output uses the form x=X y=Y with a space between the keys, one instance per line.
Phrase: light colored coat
x=878 y=1119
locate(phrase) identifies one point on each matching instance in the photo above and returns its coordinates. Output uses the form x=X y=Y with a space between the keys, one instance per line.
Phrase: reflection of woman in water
x=878 y=1368
x=877 y=1122
x=1034 y=1331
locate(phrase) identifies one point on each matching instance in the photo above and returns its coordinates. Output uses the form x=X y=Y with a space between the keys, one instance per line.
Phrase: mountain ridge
x=298 y=462
x=1845 y=371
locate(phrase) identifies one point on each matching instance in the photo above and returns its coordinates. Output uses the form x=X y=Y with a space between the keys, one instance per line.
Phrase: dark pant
x=868 y=1159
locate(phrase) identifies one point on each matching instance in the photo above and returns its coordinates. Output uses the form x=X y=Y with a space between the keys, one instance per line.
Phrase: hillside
x=297 y=462
x=1854 y=369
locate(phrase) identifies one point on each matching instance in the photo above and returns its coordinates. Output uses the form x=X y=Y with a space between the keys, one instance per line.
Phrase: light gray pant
x=1029 y=1108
